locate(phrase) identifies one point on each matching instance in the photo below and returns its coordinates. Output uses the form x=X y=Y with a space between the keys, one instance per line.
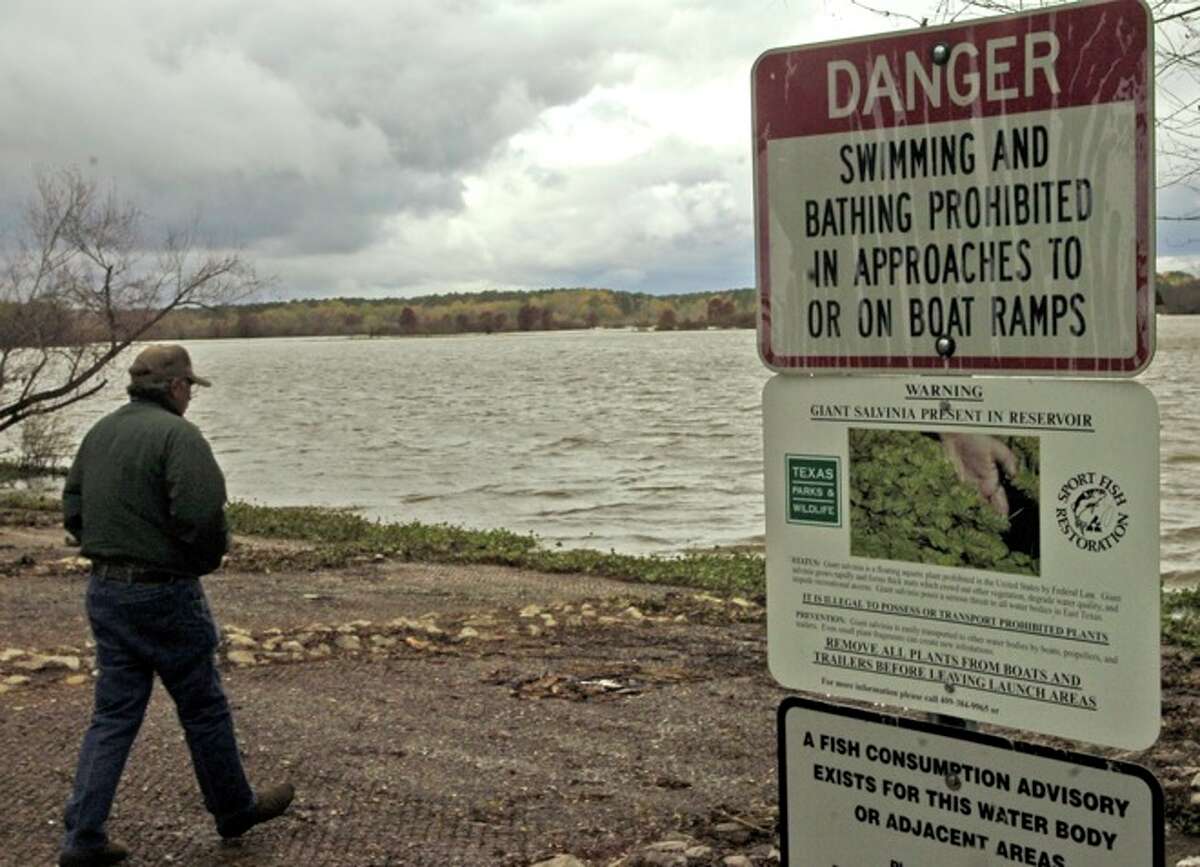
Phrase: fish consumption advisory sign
x=975 y=197
x=859 y=789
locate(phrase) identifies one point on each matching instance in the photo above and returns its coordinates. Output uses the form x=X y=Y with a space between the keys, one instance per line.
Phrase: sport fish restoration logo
x=1091 y=511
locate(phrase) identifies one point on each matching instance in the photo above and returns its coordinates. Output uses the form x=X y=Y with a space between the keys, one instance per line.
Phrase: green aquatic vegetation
x=720 y=571
x=1181 y=617
x=906 y=503
x=28 y=501
x=306 y=523
x=342 y=536
x=19 y=471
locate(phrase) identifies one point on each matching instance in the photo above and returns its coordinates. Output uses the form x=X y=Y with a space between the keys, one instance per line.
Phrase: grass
x=341 y=537
x=15 y=471
x=344 y=536
x=28 y=501
x=1181 y=618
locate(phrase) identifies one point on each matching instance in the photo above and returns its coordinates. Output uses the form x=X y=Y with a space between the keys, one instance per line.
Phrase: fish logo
x=1090 y=512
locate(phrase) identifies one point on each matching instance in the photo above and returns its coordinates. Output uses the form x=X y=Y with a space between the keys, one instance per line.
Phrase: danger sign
x=974 y=197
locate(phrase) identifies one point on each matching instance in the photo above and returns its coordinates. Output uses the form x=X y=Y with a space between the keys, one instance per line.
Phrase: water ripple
x=642 y=442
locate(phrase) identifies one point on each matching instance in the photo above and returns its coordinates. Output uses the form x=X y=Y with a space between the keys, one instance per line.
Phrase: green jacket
x=145 y=488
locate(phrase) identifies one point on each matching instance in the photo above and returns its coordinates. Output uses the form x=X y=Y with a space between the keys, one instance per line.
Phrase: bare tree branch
x=1182 y=14
x=887 y=13
x=1176 y=75
x=83 y=283
x=48 y=408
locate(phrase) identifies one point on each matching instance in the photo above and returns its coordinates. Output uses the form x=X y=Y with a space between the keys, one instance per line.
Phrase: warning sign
x=986 y=548
x=858 y=789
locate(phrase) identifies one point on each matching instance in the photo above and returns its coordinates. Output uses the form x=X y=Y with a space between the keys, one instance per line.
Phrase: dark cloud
x=398 y=147
x=302 y=124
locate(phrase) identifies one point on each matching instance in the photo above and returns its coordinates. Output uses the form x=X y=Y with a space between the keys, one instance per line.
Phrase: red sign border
x=1144 y=160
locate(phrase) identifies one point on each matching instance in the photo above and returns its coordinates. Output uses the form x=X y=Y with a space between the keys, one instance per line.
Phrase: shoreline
x=342 y=537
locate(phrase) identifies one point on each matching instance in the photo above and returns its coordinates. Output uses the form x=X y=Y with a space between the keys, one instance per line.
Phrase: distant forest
x=466 y=312
x=1176 y=292
x=495 y=311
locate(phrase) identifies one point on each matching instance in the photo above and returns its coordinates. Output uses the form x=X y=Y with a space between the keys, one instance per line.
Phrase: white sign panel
x=988 y=182
x=983 y=548
x=862 y=790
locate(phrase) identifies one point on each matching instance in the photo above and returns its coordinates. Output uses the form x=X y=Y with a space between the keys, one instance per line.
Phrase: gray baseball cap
x=162 y=363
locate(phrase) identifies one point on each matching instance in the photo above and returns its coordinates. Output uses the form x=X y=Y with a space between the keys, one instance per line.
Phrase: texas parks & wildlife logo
x=1091 y=511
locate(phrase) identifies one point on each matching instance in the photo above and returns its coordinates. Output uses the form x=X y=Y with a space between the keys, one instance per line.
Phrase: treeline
x=1176 y=292
x=458 y=313
x=43 y=323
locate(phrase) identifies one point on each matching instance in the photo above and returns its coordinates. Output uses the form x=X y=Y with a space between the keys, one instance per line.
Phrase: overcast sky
x=401 y=147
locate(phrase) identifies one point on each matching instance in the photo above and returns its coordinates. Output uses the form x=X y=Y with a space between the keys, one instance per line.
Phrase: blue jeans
x=141 y=629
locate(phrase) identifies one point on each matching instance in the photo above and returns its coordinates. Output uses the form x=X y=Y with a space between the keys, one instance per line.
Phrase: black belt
x=131 y=573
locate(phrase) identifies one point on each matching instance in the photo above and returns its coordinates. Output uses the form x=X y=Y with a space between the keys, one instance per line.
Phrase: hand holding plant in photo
x=978 y=459
x=915 y=498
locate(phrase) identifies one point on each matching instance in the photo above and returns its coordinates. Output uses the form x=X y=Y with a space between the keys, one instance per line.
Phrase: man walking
x=146 y=499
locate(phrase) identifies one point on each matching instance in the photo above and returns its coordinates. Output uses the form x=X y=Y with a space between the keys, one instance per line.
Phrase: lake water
x=635 y=441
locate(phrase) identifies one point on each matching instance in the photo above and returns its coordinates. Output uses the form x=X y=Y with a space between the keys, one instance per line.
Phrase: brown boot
x=267 y=806
x=109 y=853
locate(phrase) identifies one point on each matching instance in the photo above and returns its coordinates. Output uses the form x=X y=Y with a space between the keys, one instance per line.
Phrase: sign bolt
x=945 y=346
x=941 y=53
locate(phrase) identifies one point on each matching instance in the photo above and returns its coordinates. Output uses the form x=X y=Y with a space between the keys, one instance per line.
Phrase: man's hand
x=977 y=460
